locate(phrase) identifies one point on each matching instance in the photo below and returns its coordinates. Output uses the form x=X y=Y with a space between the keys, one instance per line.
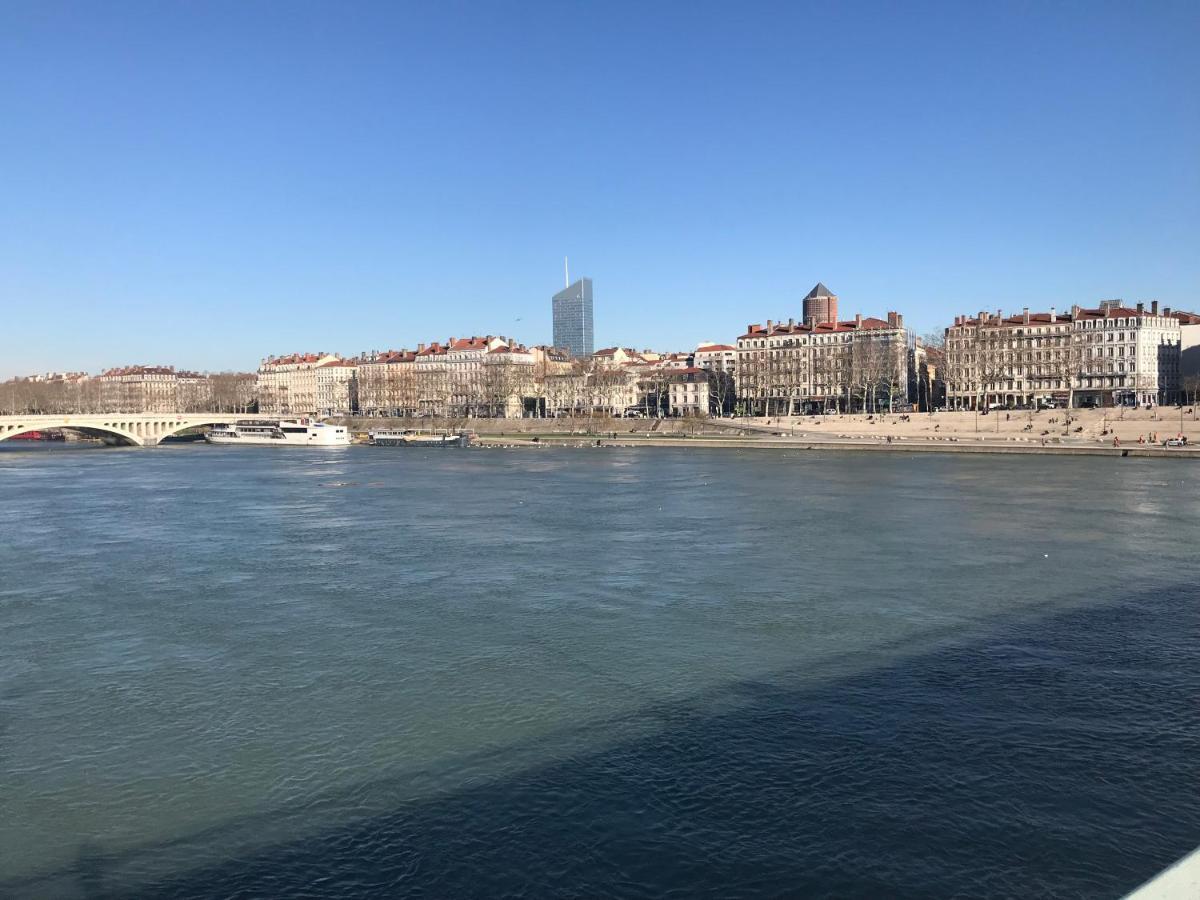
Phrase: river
x=600 y=672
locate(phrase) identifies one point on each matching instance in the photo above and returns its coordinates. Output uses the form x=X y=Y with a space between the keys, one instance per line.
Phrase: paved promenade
x=804 y=443
x=1088 y=432
x=1051 y=427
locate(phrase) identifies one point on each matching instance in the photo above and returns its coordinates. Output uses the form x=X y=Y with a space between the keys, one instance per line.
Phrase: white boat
x=394 y=437
x=283 y=433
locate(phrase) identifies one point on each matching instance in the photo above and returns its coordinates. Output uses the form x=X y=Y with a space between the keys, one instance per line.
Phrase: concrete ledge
x=910 y=446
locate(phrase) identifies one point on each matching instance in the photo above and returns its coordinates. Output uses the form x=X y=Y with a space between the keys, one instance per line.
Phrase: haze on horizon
x=202 y=185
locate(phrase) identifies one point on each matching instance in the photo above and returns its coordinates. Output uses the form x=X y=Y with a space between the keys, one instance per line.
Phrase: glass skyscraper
x=573 y=319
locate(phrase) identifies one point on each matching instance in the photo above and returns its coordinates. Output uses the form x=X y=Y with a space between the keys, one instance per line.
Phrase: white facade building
x=787 y=368
x=287 y=385
x=1110 y=355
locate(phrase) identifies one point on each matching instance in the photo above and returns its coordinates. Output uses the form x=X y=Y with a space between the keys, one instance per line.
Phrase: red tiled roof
x=868 y=323
x=138 y=370
x=1066 y=317
x=471 y=343
x=294 y=358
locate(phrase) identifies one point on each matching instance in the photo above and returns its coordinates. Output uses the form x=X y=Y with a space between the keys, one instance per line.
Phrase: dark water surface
x=583 y=673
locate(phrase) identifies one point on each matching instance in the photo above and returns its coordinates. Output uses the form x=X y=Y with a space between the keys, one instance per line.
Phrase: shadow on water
x=1054 y=757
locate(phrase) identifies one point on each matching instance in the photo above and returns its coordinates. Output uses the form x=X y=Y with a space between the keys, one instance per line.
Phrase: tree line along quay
x=1119 y=360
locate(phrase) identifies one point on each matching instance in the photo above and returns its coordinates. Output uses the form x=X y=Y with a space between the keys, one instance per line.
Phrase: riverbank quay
x=805 y=443
x=1094 y=427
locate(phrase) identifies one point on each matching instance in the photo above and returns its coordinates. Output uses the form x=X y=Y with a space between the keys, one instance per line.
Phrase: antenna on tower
x=566 y=274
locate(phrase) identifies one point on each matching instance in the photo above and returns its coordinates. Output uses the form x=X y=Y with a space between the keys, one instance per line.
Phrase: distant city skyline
x=202 y=185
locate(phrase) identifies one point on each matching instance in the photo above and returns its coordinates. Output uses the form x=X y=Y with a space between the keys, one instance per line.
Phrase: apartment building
x=287 y=385
x=152 y=389
x=387 y=383
x=489 y=376
x=789 y=368
x=1109 y=355
x=690 y=392
x=716 y=358
x=337 y=388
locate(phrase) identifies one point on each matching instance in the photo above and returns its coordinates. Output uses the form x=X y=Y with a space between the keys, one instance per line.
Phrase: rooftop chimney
x=420 y=347
x=1025 y=315
x=1166 y=310
x=1074 y=310
x=1053 y=317
x=769 y=324
x=1154 y=307
x=791 y=323
x=858 y=320
x=1141 y=308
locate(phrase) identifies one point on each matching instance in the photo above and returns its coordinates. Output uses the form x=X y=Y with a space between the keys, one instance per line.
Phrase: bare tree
x=722 y=390
x=1066 y=364
x=1191 y=387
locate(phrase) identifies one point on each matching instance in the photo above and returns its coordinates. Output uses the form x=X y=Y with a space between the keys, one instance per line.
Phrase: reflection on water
x=594 y=672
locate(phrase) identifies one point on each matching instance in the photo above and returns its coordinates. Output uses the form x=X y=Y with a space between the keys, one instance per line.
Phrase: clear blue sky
x=201 y=184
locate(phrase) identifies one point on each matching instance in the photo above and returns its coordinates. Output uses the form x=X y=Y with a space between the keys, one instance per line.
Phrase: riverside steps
x=865 y=444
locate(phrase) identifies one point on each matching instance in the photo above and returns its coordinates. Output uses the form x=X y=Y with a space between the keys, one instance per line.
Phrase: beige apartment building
x=337 y=388
x=717 y=358
x=690 y=391
x=387 y=383
x=152 y=389
x=789 y=368
x=287 y=385
x=1110 y=355
x=597 y=390
x=487 y=376
x=616 y=357
x=720 y=360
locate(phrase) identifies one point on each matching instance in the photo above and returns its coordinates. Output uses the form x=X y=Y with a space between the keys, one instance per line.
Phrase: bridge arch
x=138 y=429
x=183 y=423
x=116 y=427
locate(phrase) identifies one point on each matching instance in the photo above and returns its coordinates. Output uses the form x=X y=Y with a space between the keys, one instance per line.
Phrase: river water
x=640 y=673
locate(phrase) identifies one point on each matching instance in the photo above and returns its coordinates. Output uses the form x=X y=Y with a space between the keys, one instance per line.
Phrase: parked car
x=1175 y=442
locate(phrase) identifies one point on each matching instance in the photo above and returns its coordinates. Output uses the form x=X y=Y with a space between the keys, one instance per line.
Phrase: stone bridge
x=139 y=429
